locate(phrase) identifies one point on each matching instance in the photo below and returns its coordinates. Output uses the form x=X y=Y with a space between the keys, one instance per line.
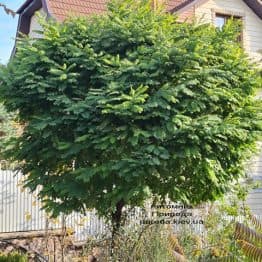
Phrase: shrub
x=13 y=257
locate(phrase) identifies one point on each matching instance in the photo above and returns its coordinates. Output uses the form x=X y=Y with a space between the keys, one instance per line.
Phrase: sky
x=8 y=26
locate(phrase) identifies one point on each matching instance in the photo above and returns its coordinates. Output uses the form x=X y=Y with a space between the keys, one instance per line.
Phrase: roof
x=256 y=6
x=61 y=8
x=176 y=5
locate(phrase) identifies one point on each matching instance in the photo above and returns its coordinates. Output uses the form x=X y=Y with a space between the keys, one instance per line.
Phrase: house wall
x=254 y=199
x=252 y=32
x=34 y=24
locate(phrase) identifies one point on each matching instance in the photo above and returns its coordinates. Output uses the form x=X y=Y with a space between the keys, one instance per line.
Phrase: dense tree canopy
x=129 y=105
x=8 y=129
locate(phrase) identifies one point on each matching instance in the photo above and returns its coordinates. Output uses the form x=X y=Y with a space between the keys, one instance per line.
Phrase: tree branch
x=8 y=10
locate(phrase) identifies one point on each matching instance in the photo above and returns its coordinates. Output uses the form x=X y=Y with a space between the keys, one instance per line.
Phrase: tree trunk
x=116 y=223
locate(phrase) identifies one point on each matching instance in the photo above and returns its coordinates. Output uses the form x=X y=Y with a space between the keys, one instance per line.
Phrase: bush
x=13 y=257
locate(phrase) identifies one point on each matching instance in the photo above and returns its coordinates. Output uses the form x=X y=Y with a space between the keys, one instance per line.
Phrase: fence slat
x=21 y=211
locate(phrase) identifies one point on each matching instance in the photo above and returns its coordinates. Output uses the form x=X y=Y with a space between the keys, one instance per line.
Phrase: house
x=211 y=11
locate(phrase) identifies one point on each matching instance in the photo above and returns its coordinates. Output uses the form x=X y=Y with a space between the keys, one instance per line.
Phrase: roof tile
x=62 y=8
x=176 y=4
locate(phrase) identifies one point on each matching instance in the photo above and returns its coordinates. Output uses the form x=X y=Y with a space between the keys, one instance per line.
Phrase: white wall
x=254 y=199
x=252 y=33
x=34 y=24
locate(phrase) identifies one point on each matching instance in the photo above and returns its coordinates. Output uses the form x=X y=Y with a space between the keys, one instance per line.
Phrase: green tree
x=131 y=105
x=8 y=129
x=4 y=126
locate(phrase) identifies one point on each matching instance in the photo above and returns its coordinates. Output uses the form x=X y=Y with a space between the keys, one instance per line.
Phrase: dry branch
x=8 y=10
x=30 y=234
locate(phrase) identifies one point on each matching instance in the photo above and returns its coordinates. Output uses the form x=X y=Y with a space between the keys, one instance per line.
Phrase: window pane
x=220 y=21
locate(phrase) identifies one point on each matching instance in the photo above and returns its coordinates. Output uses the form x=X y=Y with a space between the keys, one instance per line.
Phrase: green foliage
x=7 y=128
x=13 y=257
x=218 y=242
x=128 y=105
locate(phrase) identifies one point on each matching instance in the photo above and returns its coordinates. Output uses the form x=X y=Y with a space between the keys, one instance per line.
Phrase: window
x=221 y=19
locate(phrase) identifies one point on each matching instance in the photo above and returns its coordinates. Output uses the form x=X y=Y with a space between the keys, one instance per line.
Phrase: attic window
x=221 y=19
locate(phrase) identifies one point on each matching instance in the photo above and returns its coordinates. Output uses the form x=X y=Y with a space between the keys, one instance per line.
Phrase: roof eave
x=23 y=6
x=255 y=6
x=25 y=13
x=181 y=6
x=32 y=5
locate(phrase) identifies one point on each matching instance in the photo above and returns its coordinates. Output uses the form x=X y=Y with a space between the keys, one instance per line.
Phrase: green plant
x=13 y=257
x=131 y=105
x=218 y=239
x=8 y=128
